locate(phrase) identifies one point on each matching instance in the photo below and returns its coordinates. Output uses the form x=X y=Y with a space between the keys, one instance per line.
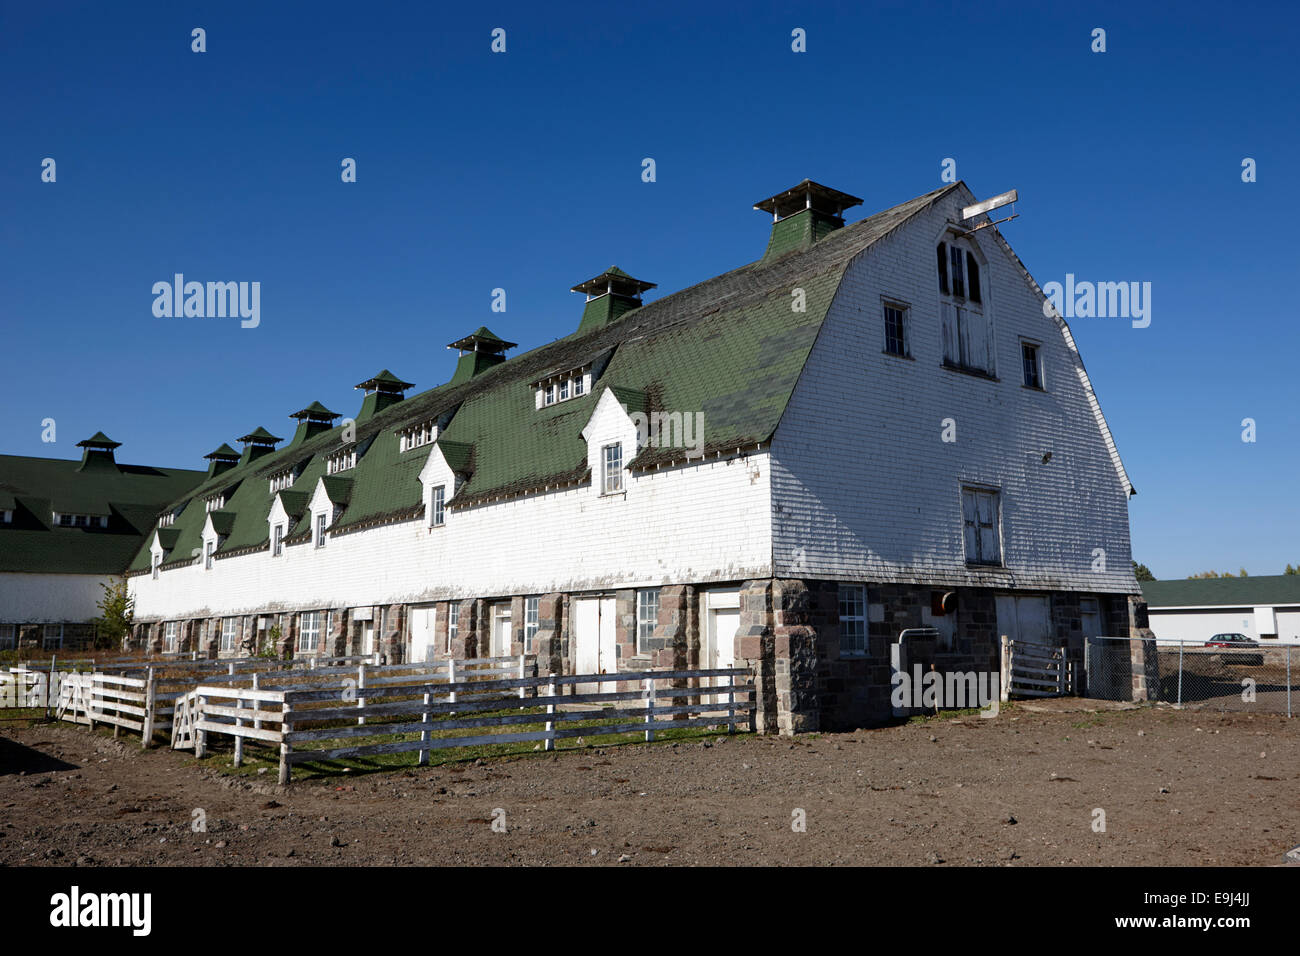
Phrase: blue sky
x=522 y=170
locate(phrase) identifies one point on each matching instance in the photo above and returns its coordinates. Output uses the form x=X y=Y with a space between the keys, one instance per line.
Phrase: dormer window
x=967 y=330
x=561 y=388
x=612 y=467
x=6 y=516
x=417 y=436
x=342 y=460
x=157 y=563
x=166 y=519
x=215 y=503
x=65 y=520
x=281 y=481
x=277 y=541
x=320 y=530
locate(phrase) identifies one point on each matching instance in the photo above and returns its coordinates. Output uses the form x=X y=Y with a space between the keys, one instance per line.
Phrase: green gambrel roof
x=1262 y=591
x=223 y=451
x=130 y=496
x=731 y=348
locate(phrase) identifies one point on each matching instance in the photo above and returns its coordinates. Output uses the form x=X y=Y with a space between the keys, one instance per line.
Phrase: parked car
x=1236 y=642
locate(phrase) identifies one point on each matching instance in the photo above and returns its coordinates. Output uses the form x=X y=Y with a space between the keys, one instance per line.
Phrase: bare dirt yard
x=1176 y=787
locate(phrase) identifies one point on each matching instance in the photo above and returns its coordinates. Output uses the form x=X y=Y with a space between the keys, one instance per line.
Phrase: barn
x=873 y=426
x=1265 y=608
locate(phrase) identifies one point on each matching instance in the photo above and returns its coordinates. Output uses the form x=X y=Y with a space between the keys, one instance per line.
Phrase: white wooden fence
x=393 y=713
x=1035 y=670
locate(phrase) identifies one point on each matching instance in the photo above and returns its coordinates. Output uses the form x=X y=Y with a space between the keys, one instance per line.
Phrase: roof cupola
x=610 y=295
x=381 y=391
x=803 y=214
x=479 y=351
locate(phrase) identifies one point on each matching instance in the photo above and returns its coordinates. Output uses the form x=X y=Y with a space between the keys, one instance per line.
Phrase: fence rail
x=425 y=712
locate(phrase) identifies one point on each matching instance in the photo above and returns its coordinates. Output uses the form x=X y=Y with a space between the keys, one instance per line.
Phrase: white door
x=368 y=638
x=594 y=640
x=501 y=634
x=722 y=619
x=1025 y=618
x=421 y=642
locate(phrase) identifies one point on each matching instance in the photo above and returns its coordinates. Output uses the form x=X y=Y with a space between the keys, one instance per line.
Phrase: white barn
x=872 y=427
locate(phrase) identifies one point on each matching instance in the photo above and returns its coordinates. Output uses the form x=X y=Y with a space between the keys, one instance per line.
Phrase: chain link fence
x=1248 y=678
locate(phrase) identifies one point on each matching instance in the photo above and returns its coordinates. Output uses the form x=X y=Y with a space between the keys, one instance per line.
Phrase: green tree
x=117 y=614
x=1291 y=570
x=1241 y=573
x=1142 y=572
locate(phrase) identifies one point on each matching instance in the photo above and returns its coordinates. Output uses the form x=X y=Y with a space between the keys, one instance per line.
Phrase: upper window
x=281 y=481
x=647 y=616
x=166 y=519
x=896 y=329
x=561 y=388
x=531 y=605
x=215 y=503
x=157 y=562
x=417 y=435
x=342 y=461
x=65 y=520
x=853 y=619
x=980 y=519
x=320 y=529
x=207 y=556
x=612 y=477
x=1032 y=363
x=437 y=506
x=967 y=331
x=277 y=541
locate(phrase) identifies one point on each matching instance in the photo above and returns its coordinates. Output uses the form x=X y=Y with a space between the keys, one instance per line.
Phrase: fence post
x=286 y=726
x=1180 y=672
x=451 y=679
x=150 y=709
x=1288 y=682
x=649 y=707
x=550 y=711
x=731 y=705
x=200 y=736
x=49 y=687
x=1006 y=668
x=361 y=686
x=522 y=675
x=257 y=721
x=239 y=738
x=423 y=760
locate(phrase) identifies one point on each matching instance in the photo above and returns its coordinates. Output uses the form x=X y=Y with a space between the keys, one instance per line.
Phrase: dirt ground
x=1177 y=787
